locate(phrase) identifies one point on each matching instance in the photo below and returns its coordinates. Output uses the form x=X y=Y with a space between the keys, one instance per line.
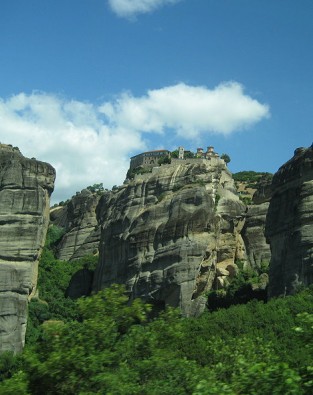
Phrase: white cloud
x=189 y=110
x=88 y=144
x=71 y=136
x=131 y=8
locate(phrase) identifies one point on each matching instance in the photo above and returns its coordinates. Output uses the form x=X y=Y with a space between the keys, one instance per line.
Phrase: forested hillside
x=104 y=344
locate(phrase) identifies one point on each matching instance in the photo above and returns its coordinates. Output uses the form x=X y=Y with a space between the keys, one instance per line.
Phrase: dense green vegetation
x=246 y=285
x=103 y=344
x=53 y=280
x=250 y=176
x=115 y=349
x=252 y=179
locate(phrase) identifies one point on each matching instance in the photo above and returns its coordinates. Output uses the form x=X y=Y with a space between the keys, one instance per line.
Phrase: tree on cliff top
x=226 y=158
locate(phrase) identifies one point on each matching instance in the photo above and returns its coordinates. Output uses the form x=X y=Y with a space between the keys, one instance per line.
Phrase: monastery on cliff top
x=151 y=158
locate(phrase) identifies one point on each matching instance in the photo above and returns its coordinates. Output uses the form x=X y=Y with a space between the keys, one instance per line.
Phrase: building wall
x=151 y=158
x=213 y=161
x=147 y=159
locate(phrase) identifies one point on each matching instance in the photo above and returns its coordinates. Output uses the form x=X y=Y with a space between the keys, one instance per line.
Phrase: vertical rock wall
x=169 y=235
x=79 y=220
x=289 y=226
x=25 y=189
x=258 y=250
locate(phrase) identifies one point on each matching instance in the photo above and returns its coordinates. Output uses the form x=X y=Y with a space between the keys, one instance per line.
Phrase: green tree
x=80 y=357
x=226 y=158
x=98 y=188
x=164 y=160
x=189 y=154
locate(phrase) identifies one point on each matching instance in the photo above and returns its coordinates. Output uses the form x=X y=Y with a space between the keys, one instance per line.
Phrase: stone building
x=148 y=159
x=206 y=155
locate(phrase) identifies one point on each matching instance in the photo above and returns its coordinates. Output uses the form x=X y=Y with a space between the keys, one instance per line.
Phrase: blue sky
x=85 y=84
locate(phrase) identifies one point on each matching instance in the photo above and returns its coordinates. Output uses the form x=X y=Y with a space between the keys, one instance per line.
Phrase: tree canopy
x=108 y=344
x=226 y=158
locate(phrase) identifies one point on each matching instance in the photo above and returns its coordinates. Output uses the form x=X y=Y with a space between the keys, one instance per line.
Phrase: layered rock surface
x=25 y=189
x=257 y=248
x=171 y=234
x=78 y=218
x=289 y=226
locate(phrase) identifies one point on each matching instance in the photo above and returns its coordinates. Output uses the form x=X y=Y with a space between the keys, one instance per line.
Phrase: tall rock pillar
x=25 y=189
x=289 y=225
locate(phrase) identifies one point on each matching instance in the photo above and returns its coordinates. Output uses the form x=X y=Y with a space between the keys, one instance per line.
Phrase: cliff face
x=289 y=226
x=171 y=234
x=78 y=218
x=257 y=248
x=25 y=189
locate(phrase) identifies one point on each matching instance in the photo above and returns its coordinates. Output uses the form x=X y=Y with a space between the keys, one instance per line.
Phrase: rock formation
x=289 y=225
x=171 y=234
x=25 y=189
x=258 y=250
x=78 y=218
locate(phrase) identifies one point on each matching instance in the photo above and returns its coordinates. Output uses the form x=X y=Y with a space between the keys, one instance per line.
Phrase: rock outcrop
x=289 y=226
x=172 y=234
x=78 y=218
x=25 y=189
x=257 y=248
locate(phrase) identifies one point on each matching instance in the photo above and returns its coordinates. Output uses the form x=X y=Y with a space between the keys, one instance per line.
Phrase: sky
x=86 y=84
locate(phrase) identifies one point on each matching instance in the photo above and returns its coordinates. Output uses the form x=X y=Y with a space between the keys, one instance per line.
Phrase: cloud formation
x=71 y=136
x=131 y=8
x=189 y=110
x=89 y=143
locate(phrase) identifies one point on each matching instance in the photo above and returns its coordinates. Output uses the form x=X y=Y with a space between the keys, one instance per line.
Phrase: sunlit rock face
x=78 y=218
x=289 y=226
x=170 y=234
x=25 y=189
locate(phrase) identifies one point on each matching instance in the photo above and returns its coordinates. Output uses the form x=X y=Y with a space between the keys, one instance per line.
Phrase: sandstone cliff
x=257 y=248
x=78 y=218
x=25 y=189
x=289 y=226
x=171 y=234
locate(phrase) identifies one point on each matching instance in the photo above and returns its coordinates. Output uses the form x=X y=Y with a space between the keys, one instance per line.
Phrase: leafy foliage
x=53 y=280
x=250 y=176
x=111 y=345
x=226 y=158
x=189 y=154
x=240 y=289
x=54 y=234
x=96 y=188
x=247 y=200
x=114 y=348
x=164 y=160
